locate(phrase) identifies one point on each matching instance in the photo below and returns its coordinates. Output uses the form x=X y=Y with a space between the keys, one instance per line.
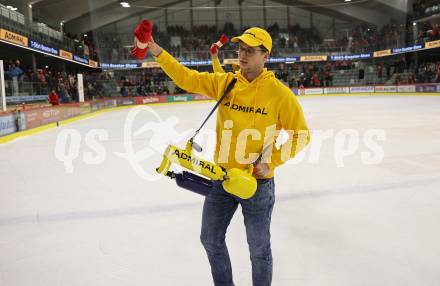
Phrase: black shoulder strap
x=227 y=91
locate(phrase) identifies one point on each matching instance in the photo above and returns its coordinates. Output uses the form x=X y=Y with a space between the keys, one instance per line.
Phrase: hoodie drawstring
x=255 y=104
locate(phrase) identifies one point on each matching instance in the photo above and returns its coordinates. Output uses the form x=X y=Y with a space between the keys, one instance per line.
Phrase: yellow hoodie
x=251 y=106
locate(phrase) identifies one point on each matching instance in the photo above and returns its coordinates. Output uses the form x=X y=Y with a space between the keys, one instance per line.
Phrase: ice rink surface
x=104 y=224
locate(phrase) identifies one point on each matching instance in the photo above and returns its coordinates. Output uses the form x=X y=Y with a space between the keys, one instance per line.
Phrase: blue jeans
x=218 y=210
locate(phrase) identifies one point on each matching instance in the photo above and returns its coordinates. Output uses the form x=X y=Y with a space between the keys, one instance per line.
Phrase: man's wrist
x=157 y=51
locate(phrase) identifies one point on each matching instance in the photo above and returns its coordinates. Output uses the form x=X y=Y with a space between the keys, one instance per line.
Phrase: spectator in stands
x=163 y=89
x=63 y=93
x=434 y=32
x=437 y=76
x=361 y=74
x=388 y=69
x=54 y=98
x=379 y=69
x=41 y=79
x=30 y=76
x=125 y=87
x=411 y=79
x=315 y=80
x=282 y=74
x=14 y=73
x=328 y=77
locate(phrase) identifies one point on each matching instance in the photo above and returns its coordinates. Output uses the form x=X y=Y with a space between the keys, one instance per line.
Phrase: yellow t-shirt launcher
x=235 y=181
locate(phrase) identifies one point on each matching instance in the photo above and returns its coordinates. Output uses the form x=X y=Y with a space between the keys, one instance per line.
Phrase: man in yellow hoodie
x=248 y=120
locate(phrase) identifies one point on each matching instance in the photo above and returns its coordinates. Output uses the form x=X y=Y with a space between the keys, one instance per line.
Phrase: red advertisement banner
x=38 y=117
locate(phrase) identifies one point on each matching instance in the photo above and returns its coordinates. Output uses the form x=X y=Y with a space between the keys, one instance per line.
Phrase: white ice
x=371 y=225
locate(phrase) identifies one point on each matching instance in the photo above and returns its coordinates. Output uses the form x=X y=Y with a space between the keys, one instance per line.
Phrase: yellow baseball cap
x=255 y=37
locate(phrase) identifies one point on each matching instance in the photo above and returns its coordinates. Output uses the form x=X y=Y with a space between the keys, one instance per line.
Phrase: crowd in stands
x=23 y=80
x=296 y=38
x=391 y=72
x=428 y=72
x=423 y=8
x=155 y=82
x=310 y=74
x=318 y=74
x=109 y=47
x=366 y=38
x=178 y=41
x=429 y=32
x=194 y=44
x=145 y=82
x=142 y=82
x=84 y=46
